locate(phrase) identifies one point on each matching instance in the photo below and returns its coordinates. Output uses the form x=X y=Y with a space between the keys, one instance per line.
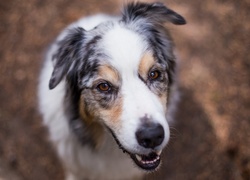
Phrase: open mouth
x=147 y=162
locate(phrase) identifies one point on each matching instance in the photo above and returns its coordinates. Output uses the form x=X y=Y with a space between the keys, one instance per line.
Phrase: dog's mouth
x=147 y=162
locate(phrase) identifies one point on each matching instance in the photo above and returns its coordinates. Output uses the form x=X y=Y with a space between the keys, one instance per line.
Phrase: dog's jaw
x=147 y=162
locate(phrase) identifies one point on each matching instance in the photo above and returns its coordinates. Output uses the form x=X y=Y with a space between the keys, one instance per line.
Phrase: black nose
x=150 y=135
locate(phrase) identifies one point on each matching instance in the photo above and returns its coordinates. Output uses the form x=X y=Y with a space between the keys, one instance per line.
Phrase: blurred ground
x=211 y=137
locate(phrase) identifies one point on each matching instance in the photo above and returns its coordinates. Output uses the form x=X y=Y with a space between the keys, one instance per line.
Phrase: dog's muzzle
x=149 y=136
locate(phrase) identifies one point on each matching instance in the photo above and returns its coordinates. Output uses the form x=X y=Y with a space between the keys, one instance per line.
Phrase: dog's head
x=120 y=74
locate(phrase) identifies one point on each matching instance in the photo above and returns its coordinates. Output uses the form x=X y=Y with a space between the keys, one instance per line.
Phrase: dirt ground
x=211 y=137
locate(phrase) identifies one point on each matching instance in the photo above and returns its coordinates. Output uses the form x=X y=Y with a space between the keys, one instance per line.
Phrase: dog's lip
x=147 y=162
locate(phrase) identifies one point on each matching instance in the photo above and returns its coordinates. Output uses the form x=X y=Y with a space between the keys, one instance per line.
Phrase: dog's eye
x=153 y=75
x=104 y=87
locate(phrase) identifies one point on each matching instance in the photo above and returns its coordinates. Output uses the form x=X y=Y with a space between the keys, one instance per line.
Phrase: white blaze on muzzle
x=139 y=102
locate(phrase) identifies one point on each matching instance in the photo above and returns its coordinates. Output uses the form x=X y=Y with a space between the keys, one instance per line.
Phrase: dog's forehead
x=124 y=48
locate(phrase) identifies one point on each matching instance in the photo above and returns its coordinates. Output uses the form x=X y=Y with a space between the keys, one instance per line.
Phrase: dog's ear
x=154 y=13
x=67 y=54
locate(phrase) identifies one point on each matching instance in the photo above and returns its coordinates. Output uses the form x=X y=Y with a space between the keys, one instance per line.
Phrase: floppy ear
x=67 y=54
x=155 y=12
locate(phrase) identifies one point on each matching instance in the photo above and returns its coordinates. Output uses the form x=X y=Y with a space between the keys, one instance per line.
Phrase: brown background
x=211 y=137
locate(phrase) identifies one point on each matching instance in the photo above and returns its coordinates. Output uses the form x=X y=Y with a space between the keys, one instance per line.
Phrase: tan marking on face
x=147 y=61
x=108 y=73
x=112 y=116
x=164 y=99
x=94 y=127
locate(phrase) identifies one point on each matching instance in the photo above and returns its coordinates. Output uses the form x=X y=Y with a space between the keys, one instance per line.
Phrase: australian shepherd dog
x=106 y=92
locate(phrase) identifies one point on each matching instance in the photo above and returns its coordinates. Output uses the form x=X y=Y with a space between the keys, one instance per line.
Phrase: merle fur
x=154 y=13
x=148 y=19
x=77 y=57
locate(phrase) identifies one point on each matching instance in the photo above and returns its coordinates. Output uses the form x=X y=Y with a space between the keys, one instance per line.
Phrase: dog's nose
x=150 y=135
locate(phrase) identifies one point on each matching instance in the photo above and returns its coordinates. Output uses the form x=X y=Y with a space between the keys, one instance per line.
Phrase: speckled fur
x=79 y=116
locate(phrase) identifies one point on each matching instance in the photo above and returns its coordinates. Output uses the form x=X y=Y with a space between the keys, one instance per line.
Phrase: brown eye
x=104 y=87
x=154 y=75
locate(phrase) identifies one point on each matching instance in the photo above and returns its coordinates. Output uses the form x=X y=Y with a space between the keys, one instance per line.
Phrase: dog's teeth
x=158 y=152
x=138 y=157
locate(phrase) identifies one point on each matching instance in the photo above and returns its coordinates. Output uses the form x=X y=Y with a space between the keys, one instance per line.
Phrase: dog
x=106 y=91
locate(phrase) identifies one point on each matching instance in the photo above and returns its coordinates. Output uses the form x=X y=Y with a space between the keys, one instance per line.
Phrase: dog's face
x=121 y=73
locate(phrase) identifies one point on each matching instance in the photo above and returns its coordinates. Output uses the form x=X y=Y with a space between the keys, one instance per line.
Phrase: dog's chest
x=108 y=162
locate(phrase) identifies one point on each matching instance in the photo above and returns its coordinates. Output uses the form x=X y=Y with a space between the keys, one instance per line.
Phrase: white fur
x=81 y=162
x=125 y=49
